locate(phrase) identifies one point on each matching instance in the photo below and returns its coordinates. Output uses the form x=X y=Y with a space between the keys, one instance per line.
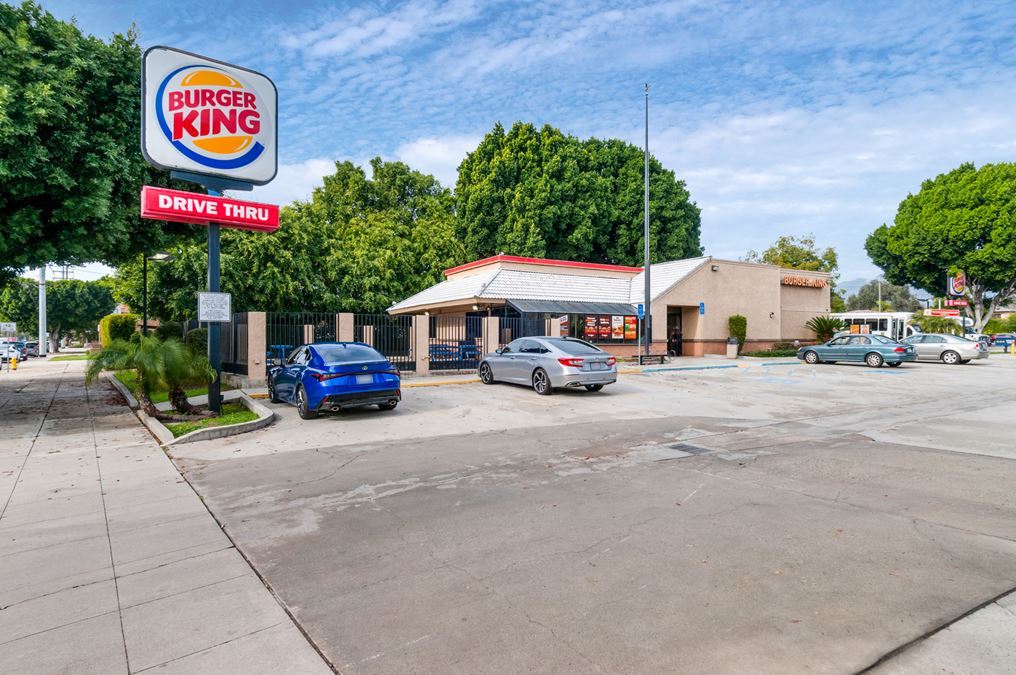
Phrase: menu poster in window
x=630 y=327
x=604 y=327
x=617 y=327
x=591 y=328
x=562 y=326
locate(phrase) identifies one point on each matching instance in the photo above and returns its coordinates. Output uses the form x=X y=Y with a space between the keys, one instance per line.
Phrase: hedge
x=169 y=330
x=197 y=340
x=117 y=327
x=738 y=326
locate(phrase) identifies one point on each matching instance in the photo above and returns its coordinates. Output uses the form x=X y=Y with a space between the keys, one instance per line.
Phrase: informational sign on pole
x=9 y=327
x=215 y=307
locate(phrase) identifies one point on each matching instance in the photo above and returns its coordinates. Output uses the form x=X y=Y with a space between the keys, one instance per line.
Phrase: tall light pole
x=158 y=257
x=43 y=346
x=646 y=299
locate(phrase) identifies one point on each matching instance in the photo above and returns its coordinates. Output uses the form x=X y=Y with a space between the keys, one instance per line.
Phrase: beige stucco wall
x=799 y=304
x=734 y=288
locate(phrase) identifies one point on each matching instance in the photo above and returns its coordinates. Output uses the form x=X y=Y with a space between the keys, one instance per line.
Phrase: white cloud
x=294 y=181
x=438 y=156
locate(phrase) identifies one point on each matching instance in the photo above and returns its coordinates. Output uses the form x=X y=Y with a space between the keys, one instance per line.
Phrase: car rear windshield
x=348 y=354
x=573 y=346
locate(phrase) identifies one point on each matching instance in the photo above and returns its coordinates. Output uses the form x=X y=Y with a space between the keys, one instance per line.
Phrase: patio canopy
x=559 y=307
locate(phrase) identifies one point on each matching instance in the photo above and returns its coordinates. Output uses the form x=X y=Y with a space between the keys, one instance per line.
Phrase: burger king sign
x=207 y=117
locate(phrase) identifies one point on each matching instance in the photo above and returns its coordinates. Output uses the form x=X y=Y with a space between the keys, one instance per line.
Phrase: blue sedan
x=871 y=349
x=334 y=376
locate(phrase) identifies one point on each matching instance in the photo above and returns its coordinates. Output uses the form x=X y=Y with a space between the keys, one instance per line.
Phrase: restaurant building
x=598 y=302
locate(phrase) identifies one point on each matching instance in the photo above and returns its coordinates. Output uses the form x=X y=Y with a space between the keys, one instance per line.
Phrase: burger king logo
x=210 y=116
x=207 y=117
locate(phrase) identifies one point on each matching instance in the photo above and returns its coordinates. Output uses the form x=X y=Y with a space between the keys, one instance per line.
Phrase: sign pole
x=43 y=345
x=214 y=355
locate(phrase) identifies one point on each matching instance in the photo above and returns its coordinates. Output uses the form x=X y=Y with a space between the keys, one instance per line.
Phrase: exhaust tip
x=335 y=408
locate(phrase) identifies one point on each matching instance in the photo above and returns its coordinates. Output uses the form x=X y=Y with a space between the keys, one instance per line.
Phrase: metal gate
x=455 y=342
x=288 y=330
x=393 y=336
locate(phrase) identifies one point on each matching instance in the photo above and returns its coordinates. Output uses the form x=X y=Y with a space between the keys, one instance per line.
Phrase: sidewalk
x=109 y=562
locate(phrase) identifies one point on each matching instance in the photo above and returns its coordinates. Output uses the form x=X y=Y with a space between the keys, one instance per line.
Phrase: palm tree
x=824 y=327
x=159 y=365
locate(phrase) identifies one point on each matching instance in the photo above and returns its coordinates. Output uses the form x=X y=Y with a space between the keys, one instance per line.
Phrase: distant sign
x=801 y=280
x=956 y=284
x=701 y=308
x=957 y=302
x=177 y=206
x=8 y=327
x=641 y=311
x=215 y=307
x=208 y=117
x=943 y=312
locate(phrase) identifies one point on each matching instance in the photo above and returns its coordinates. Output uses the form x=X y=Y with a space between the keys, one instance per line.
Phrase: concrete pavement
x=109 y=562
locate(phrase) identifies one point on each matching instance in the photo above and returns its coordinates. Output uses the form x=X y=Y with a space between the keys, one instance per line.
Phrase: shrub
x=937 y=324
x=169 y=330
x=114 y=327
x=738 y=326
x=197 y=340
x=824 y=327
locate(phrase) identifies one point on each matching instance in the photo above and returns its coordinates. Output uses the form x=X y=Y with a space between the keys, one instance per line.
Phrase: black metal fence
x=455 y=342
x=513 y=328
x=233 y=344
x=393 y=336
x=285 y=331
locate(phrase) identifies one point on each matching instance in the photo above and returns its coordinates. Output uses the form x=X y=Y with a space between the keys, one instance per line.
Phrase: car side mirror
x=499 y=351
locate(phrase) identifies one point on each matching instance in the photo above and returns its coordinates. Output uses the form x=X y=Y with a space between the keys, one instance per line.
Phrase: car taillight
x=900 y=350
x=571 y=362
x=611 y=361
x=321 y=377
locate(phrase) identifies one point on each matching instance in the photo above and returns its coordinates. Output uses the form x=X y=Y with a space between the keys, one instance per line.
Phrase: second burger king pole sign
x=206 y=118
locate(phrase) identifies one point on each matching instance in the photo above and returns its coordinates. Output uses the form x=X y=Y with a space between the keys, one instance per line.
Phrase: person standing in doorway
x=675 y=341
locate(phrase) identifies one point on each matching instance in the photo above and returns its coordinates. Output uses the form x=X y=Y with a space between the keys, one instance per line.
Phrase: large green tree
x=802 y=253
x=964 y=220
x=70 y=166
x=539 y=192
x=359 y=244
x=72 y=306
x=895 y=298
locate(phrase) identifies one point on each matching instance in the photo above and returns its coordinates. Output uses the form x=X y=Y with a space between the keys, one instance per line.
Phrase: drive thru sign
x=190 y=207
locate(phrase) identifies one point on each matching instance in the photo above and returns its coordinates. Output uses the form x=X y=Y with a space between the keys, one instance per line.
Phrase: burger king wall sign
x=207 y=117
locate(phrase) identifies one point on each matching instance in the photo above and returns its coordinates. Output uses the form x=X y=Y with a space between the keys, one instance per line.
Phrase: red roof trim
x=541 y=261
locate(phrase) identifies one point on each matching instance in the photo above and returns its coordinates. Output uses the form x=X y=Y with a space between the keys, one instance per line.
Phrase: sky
x=782 y=117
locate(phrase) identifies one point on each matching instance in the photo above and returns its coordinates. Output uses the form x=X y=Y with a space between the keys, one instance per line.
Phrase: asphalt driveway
x=763 y=519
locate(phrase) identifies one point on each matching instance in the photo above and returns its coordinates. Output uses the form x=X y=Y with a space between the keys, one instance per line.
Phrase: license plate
x=365 y=379
x=597 y=366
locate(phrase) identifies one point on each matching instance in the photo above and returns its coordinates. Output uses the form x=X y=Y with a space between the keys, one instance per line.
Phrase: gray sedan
x=947 y=348
x=548 y=362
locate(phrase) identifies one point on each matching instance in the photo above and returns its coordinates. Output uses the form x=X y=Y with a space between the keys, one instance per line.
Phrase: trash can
x=731 y=347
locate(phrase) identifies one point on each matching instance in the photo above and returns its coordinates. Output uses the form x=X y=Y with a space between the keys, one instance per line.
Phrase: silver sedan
x=548 y=362
x=947 y=348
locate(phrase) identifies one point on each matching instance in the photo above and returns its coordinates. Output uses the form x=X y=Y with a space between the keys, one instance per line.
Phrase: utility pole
x=646 y=299
x=42 y=313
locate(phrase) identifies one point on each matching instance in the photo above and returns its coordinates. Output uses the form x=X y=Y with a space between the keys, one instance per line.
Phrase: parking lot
x=763 y=518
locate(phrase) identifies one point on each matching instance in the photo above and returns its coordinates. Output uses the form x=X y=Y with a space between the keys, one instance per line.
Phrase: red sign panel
x=944 y=312
x=960 y=302
x=190 y=207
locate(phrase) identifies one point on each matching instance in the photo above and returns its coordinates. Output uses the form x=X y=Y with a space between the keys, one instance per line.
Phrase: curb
x=265 y=417
x=440 y=383
x=132 y=402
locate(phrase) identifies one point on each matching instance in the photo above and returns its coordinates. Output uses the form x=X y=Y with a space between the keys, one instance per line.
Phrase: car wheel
x=303 y=406
x=811 y=357
x=594 y=387
x=387 y=406
x=896 y=365
x=541 y=382
x=874 y=359
x=486 y=374
x=272 y=396
x=950 y=358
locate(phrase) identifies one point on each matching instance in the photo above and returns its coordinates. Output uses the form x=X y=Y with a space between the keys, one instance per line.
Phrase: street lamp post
x=158 y=257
